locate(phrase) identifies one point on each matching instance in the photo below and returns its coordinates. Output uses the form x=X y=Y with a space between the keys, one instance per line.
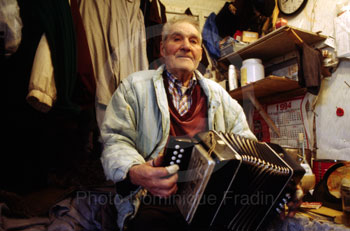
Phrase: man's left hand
x=294 y=204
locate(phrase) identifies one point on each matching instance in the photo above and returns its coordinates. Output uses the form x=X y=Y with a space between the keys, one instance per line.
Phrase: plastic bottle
x=232 y=78
x=309 y=179
x=252 y=70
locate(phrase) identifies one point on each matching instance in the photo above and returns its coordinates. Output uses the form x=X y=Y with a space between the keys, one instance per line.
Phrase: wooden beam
x=262 y=112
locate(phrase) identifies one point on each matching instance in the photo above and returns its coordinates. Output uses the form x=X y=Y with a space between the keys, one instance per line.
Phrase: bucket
x=321 y=166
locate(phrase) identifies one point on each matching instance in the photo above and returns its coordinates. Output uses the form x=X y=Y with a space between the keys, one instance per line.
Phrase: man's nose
x=186 y=45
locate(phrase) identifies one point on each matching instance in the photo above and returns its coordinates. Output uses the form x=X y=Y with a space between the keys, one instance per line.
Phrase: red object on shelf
x=238 y=35
x=281 y=22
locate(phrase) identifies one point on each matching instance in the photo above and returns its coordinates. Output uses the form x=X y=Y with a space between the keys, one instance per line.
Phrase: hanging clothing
x=85 y=90
x=211 y=37
x=56 y=20
x=234 y=16
x=310 y=68
x=42 y=93
x=155 y=18
x=116 y=38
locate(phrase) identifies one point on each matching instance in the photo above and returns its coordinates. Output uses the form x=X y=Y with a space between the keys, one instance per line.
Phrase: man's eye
x=194 y=41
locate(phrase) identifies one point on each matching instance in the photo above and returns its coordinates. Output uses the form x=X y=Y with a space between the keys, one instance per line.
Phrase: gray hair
x=167 y=26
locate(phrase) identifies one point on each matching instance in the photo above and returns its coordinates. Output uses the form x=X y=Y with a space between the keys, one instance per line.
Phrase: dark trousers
x=158 y=215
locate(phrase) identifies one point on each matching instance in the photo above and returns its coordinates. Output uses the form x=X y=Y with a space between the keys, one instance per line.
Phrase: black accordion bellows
x=228 y=182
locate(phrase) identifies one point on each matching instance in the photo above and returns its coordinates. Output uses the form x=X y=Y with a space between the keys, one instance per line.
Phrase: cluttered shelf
x=269 y=86
x=277 y=43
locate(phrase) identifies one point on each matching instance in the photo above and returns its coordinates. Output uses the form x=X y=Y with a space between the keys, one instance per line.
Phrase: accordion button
x=288 y=195
x=178 y=161
x=182 y=150
x=278 y=210
x=284 y=200
x=177 y=146
x=180 y=156
x=175 y=152
x=173 y=158
x=172 y=162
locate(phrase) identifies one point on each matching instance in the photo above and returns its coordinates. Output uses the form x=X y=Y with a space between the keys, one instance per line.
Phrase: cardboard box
x=250 y=36
x=233 y=47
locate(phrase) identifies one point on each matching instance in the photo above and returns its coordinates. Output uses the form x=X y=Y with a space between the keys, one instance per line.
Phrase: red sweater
x=195 y=120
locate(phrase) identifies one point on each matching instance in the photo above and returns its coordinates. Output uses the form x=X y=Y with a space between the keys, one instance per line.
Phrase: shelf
x=268 y=86
x=272 y=87
x=277 y=43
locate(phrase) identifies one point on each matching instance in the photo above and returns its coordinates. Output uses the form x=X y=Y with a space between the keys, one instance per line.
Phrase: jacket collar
x=213 y=100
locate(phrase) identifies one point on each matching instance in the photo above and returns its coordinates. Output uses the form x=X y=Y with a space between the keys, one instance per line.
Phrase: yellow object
x=308 y=182
x=243 y=77
x=250 y=36
x=325 y=211
x=275 y=14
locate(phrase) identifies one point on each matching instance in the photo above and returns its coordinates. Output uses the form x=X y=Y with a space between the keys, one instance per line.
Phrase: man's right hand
x=155 y=179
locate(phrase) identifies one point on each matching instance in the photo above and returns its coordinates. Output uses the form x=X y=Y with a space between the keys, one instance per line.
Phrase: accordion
x=228 y=182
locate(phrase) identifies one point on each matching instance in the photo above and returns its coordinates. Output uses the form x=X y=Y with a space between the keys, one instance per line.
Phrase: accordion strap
x=212 y=143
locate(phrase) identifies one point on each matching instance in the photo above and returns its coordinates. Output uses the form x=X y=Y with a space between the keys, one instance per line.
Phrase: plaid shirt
x=181 y=96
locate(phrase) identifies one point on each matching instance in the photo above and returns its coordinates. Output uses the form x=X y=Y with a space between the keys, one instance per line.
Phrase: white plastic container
x=232 y=78
x=252 y=70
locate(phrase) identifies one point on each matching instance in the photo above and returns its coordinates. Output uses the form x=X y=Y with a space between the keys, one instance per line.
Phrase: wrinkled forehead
x=184 y=29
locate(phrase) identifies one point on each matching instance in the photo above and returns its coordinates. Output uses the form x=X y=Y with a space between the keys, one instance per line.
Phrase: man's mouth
x=184 y=57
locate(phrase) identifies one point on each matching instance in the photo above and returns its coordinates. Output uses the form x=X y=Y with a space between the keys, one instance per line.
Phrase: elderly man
x=150 y=106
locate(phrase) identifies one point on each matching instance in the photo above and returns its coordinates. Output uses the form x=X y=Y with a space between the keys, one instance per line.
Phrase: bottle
x=252 y=70
x=232 y=78
x=309 y=179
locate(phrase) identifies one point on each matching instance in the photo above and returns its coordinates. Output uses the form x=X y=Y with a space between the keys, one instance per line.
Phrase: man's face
x=182 y=49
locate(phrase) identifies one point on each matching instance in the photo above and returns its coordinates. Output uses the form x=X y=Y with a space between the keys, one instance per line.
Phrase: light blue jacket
x=137 y=124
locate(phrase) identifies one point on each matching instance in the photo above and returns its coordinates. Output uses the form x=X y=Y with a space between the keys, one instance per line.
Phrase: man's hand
x=155 y=179
x=294 y=204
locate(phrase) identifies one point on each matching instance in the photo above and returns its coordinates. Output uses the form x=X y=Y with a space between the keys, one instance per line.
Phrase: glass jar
x=252 y=70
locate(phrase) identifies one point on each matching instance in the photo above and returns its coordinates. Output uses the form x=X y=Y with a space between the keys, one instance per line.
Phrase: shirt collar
x=178 y=83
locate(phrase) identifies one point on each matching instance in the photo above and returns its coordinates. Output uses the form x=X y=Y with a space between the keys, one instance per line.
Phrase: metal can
x=320 y=167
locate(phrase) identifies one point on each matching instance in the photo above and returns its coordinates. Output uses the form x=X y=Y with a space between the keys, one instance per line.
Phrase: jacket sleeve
x=119 y=135
x=42 y=92
x=236 y=121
